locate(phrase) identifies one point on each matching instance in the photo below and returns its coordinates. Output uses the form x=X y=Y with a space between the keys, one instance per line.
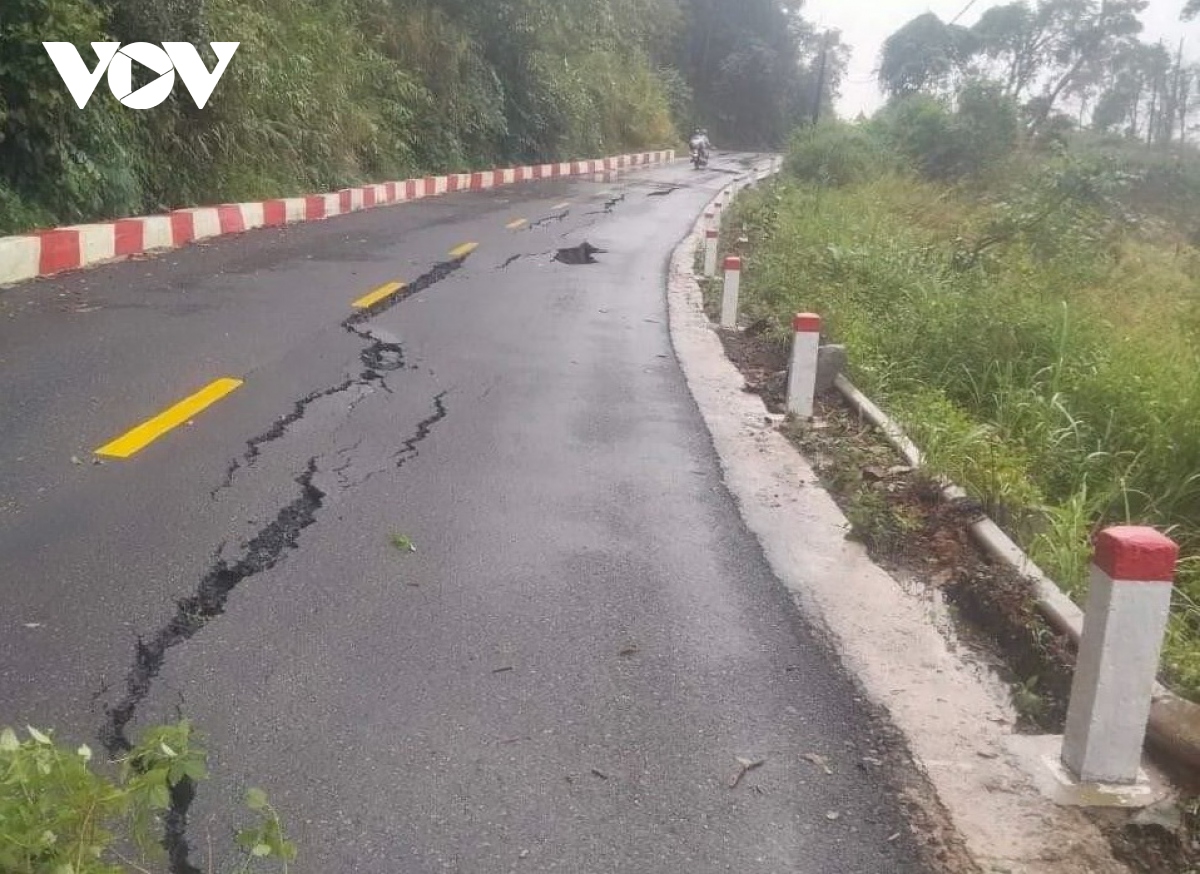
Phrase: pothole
x=577 y=255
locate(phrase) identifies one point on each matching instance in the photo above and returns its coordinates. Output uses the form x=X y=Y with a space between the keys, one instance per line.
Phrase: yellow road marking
x=147 y=432
x=562 y=205
x=516 y=223
x=464 y=250
x=377 y=295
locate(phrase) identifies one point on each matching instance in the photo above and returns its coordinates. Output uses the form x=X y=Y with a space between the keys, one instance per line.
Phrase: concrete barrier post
x=1126 y=616
x=711 y=244
x=802 y=375
x=733 y=285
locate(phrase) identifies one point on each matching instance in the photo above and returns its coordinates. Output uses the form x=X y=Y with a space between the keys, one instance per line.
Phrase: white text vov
x=171 y=58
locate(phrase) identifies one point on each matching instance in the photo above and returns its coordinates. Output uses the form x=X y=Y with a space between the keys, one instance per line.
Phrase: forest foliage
x=1066 y=62
x=327 y=93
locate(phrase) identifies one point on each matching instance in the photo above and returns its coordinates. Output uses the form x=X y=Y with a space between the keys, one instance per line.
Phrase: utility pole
x=1178 y=101
x=821 y=72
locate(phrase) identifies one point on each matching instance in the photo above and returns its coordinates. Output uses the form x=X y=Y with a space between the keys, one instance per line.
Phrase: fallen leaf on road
x=596 y=772
x=747 y=765
x=75 y=459
x=632 y=649
x=820 y=761
x=833 y=815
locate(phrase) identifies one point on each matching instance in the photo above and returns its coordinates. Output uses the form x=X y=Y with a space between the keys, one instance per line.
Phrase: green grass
x=1052 y=372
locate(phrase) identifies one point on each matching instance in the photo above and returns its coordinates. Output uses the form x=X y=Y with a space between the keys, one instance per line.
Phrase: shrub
x=835 y=155
x=58 y=813
x=945 y=142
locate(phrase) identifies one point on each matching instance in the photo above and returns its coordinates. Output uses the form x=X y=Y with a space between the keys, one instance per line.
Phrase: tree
x=1092 y=35
x=1018 y=39
x=1041 y=54
x=924 y=55
x=750 y=64
x=1119 y=106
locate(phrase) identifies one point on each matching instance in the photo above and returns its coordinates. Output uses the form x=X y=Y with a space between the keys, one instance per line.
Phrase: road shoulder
x=954 y=721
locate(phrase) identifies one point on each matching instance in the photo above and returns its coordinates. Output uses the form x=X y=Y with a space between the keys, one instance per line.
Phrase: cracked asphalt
x=560 y=677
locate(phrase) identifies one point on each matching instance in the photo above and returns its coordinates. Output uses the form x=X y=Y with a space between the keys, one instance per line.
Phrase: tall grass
x=1053 y=372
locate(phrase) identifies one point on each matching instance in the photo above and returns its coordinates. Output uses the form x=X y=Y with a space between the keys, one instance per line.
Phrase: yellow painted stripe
x=377 y=295
x=516 y=223
x=147 y=432
x=562 y=205
x=464 y=250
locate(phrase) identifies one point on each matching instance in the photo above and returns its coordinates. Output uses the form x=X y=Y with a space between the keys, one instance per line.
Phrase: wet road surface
x=563 y=670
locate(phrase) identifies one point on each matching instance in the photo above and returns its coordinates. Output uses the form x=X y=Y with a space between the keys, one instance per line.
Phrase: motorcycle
x=699 y=157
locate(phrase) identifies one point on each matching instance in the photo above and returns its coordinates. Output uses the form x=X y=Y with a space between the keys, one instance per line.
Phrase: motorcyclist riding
x=700 y=146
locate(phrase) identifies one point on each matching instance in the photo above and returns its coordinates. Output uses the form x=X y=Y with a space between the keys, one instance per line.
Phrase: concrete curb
x=46 y=252
x=1174 y=727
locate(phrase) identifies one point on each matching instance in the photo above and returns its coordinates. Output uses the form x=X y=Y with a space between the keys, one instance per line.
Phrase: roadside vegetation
x=1020 y=291
x=62 y=812
x=328 y=93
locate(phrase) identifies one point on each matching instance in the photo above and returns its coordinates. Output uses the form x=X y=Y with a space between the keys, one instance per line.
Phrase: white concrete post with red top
x=1128 y=603
x=733 y=285
x=711 y=236
x=802 y=375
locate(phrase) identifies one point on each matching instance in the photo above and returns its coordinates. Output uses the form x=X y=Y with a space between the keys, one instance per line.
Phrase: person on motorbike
x=700 y=144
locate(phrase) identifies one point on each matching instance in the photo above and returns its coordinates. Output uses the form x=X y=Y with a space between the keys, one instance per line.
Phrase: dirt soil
x=922 y=539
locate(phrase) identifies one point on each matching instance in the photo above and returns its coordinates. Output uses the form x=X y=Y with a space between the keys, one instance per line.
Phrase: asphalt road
x=560 y=676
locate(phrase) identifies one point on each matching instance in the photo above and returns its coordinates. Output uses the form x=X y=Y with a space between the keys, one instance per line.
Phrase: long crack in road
x=585 y=599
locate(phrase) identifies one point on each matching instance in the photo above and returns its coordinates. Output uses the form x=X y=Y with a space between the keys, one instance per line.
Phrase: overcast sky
x=865 y=24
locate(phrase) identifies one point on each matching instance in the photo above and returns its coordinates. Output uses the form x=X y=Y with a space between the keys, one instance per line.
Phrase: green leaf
x=8 y=741
x=167 y=751
x=256 y=799
x=194 y=769
x=260 y=850
x=85 y=752
x=37 y=735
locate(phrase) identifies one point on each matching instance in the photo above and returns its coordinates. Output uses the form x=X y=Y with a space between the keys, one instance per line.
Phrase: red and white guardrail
x=46 y=252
